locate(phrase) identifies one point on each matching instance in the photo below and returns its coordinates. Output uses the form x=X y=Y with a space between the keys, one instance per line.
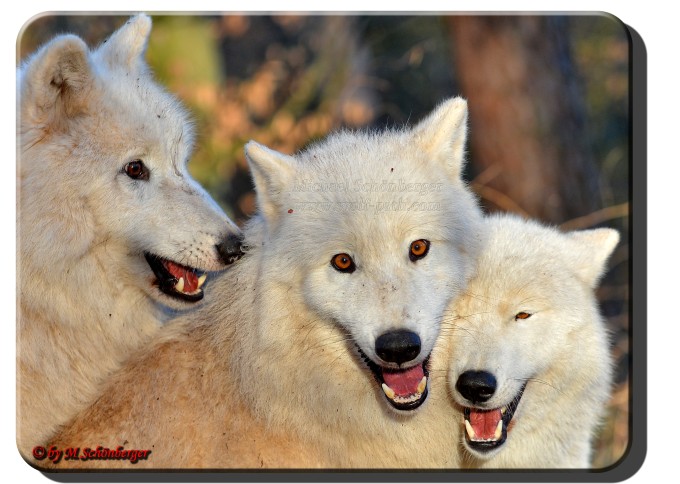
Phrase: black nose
x=476 y=386
x=230 y=248
x=398 y=346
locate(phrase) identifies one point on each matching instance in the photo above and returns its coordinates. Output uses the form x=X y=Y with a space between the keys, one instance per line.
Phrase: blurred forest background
x=548 y=99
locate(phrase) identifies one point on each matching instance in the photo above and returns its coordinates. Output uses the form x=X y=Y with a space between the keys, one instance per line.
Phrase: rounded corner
x=25 y=26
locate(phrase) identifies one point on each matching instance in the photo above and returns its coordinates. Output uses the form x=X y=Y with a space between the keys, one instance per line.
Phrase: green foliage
x=183 y=52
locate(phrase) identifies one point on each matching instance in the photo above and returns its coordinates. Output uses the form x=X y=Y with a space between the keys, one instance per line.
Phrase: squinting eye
x=136 y=170
x=343 y=263
x=522 y=315
x=419 y=249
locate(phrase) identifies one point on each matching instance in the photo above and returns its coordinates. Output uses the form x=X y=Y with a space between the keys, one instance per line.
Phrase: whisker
x=538 y=380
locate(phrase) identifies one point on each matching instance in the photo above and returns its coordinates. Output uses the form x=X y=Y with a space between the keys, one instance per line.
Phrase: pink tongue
x=484 y=423
x=190 y=278
x=404 y=382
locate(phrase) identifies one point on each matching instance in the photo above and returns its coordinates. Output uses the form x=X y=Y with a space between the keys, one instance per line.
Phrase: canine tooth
x=388 y=391
x=499 y=430
x=201 y=280
x=470 y=432
x=179 y=287
x=503 y=410
x=422 y=385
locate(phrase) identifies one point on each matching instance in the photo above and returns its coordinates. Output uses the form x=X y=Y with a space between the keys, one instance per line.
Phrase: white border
x=657 y=27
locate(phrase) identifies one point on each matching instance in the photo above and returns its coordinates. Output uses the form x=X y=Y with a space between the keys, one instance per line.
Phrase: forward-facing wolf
x=315 y=350
x=530 y=367
x=113 y=233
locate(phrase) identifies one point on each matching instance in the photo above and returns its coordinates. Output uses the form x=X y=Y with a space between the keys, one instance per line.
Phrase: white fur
x=269 y=369
x=561 y=350
x=86 y=294
x=388 y=291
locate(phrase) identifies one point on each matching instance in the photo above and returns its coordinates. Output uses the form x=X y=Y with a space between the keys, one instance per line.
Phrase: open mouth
x=175 y=280
x=405 y=389
x=486 y=430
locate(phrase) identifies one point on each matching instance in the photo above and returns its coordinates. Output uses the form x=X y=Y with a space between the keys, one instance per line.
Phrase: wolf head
x=103 y=165
x=527 y=334
x=374 y=233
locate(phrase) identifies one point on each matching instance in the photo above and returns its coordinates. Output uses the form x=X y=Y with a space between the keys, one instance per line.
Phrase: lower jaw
x=167 y=283
x=408 y=406
x=485 y=449
x=167 y=288
x=377 y=373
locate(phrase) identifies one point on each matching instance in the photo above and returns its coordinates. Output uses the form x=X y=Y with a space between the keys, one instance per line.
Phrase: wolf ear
x=127 y=45
x=272 y=173
x=54 y=82
x=443 y=133
x=593 y=248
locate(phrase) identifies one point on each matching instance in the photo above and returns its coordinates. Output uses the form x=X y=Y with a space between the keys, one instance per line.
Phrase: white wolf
x=113 y=233
x=530 y=366
x=315 y=351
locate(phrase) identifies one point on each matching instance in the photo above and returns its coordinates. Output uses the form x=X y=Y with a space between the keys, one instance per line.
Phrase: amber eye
x=343 y=263
x=136 y=170
x=522 y=315
x=419 y=249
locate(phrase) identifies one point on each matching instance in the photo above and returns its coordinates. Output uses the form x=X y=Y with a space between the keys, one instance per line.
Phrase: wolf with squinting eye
x=529 y=365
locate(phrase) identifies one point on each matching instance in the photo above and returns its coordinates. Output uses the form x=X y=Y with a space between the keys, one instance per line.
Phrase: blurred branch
x=500 y=199
x=489 y=173
x=608 y=213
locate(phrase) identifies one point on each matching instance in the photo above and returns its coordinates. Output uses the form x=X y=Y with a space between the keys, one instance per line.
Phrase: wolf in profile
x=114 y=235
x=315 y=349
x=529 y=367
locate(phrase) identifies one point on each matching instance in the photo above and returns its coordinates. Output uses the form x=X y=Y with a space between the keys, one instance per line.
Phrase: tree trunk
x=527 y=115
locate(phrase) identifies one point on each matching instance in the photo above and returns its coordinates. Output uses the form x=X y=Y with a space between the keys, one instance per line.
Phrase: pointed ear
x=443 y=134
x=593 y=248
x=53 y=84
x=127 y=45
x=272 y=174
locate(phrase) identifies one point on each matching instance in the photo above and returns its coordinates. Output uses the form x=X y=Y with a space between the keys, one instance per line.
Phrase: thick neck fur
x=79 y=315
x=299 y=372
x=67 y=348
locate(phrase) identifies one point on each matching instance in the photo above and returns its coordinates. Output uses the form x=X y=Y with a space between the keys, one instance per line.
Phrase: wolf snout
x=476 y=386
x=398 y=346
x=230 y=248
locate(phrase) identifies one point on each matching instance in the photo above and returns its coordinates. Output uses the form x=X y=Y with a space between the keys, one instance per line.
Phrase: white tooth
x=422 y=385
x=179 y=287
x=470 y=432
x=201 y=280
x=503 y=410
x=388 y=391
x=499 y=430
